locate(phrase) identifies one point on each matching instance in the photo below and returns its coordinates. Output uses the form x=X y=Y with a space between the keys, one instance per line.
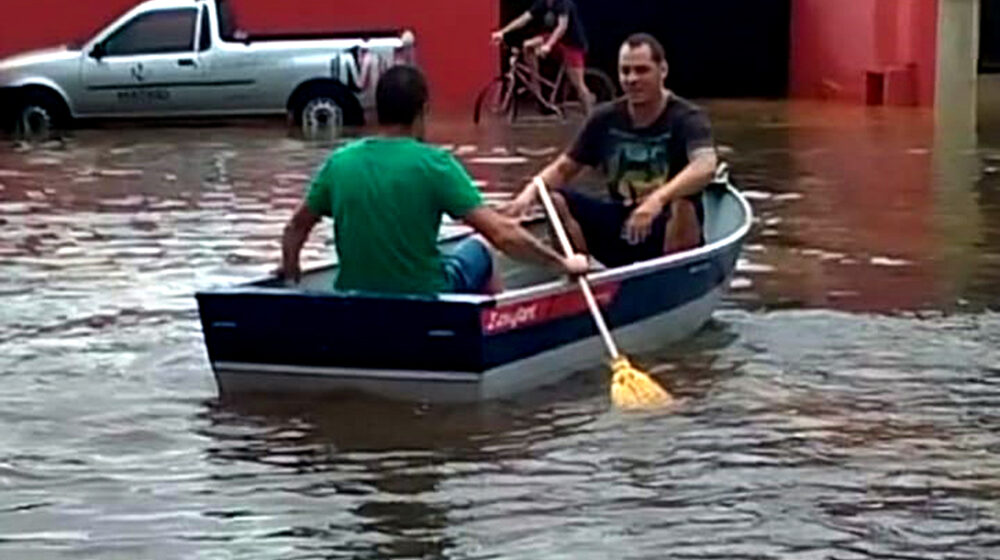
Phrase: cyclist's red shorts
x=571 y=56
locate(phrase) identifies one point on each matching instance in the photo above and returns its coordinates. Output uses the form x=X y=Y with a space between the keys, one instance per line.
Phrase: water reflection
x=383 y=467
x=842 y=404
x=794 y=436
x=959 y=209
x=861 y=208
x=403 y=477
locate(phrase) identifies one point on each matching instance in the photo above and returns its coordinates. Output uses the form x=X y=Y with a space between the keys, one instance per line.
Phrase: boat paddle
x=630 y=387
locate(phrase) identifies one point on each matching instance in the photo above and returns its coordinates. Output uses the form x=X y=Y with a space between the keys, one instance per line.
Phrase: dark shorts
x=468 y=266
x=603 y=225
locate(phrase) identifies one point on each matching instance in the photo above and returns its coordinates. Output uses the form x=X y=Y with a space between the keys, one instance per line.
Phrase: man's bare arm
x=692 y=179
x=560 y=172
x=518 y=22
x=293 y=238
x=556 y=175
x=557 y=33
x=511 y=238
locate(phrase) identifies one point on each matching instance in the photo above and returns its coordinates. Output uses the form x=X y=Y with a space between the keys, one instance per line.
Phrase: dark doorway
x=716 y=48
x=989 y=36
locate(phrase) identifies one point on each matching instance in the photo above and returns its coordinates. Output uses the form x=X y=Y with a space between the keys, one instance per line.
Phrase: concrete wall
x=957 y=57
x=834 y=44
x=452 y=35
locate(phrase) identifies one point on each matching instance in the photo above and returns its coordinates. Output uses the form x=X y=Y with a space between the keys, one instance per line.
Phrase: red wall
x=835 y=43
x=452 y=35
x=29 y=24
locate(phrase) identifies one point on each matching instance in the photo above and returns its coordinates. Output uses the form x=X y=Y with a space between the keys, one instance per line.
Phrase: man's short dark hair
x=401 y=95
x=637 y=40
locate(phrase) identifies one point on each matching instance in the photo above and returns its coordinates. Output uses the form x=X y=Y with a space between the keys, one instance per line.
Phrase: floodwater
x=844 y=403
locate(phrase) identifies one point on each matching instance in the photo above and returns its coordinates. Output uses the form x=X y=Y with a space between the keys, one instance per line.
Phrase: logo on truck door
x=359 y=69
x=138 y=72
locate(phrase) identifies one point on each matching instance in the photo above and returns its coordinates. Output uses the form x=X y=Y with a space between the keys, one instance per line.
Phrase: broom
x=630 y=388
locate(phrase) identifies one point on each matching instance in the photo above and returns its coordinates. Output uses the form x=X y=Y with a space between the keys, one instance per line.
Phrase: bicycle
x=499 y=100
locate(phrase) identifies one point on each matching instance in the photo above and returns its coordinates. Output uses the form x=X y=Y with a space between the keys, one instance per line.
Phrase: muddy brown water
x=842 y=404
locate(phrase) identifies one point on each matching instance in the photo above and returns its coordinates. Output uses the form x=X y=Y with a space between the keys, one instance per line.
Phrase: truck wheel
x=321 y=116
x=40 y=115
x=323 y=110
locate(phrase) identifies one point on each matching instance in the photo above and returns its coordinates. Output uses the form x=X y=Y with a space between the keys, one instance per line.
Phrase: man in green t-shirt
x=387 y=194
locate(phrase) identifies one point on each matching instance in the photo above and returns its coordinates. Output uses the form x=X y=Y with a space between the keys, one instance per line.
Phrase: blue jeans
x=468 y=266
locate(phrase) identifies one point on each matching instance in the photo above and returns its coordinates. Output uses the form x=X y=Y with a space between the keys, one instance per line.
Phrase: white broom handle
x=595 y=311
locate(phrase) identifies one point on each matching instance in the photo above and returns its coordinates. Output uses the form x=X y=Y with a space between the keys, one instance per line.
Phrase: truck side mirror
x=98 y=52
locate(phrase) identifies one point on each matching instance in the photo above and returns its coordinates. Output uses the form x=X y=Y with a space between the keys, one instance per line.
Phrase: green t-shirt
x=386 y=197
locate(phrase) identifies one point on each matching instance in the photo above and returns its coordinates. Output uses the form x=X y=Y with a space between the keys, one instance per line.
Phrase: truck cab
x=187 y=58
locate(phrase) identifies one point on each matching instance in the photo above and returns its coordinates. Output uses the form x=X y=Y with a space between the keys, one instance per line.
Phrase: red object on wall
x=453 y=43
x=873 y=51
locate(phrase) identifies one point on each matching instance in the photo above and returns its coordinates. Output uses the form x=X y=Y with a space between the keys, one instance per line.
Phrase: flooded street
x=843 y=404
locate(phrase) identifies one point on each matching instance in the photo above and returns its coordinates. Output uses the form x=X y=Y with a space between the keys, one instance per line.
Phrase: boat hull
x=545 y=368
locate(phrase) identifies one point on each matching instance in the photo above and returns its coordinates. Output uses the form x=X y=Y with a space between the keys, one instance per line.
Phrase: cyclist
x=564 y=34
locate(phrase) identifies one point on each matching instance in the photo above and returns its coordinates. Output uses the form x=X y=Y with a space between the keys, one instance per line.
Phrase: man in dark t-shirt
x=656 y=151
x=563 y=34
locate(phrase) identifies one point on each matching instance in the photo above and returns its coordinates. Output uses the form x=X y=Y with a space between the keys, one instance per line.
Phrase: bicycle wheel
x=600 y=85
x=496 y=103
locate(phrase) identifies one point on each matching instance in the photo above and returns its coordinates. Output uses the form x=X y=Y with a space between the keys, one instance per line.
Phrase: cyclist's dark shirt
x=548 y=11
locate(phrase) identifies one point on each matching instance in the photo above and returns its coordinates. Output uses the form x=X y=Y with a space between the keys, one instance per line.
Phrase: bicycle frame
x=501 y=96
x=520 y=74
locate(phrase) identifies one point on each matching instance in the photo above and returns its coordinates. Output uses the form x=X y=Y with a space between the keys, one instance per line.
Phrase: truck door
x=148 y=66
x=230 y=69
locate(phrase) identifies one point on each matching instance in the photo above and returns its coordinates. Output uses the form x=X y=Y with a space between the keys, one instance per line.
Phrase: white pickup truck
x=186 y=58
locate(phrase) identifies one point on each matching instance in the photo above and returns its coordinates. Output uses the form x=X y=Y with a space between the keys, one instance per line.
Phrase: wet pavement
x=842 y=404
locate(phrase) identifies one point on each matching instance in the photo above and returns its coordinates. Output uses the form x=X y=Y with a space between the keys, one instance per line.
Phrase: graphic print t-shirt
x=637 y=161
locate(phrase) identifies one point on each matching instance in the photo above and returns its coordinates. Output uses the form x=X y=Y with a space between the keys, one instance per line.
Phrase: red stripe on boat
x=532 y=312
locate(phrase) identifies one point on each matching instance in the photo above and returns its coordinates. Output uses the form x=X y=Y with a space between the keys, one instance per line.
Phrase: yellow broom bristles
x=633 y=389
